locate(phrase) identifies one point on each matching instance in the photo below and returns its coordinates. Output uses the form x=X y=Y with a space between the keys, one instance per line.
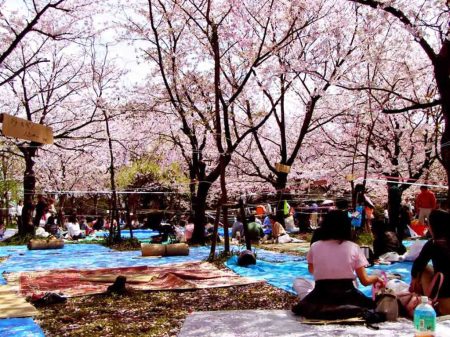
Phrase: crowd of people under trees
x=263 y=224
x=334 y=258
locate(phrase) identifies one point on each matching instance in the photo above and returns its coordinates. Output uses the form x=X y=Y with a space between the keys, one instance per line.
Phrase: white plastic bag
x=41 y=232
x=397 y=286
x=303 y=287
x=390 y=257
x=284 y=238
x=414 y=250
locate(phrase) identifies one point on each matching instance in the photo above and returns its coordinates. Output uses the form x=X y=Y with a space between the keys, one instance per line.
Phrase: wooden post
x=248 y=243
x=226 y=237
x=215 y=230
x=127 y=214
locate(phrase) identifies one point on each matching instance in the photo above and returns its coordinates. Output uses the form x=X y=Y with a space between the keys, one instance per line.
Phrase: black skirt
x=334 y=299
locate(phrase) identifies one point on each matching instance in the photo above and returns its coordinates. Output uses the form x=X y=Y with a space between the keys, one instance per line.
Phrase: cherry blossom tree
x=49 y=94
x=427 y=23
x=34 y=22
x=205 y=65
x=306 y=70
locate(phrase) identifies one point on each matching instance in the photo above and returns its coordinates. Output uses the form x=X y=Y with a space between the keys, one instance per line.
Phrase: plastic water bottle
x=424 y=319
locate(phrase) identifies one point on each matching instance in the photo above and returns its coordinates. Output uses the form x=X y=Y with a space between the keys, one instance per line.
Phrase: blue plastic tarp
x=140 y=234
x=85 y=256
x=281 y=274
x=145 y=234
x=20 y=327
x=221 y=232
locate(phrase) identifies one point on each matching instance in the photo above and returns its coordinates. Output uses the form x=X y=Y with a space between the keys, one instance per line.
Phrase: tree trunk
x=223 y=187
x=445 y=152
x=199 y=208
x=127 y=215
x=445 y=146
x=29 y=185
x=394 y=205
x=62 y=201
x=212 y=253
x=280 y=187
x=7 y=204
x=442 y=75
x=115 y=236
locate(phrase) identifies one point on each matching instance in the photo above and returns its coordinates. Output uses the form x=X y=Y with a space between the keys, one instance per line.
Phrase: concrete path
x=271 y=323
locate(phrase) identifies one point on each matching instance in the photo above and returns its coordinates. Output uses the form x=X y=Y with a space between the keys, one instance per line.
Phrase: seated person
x=301 y=217
x=404 y=222
x=437 y=249
x=334 y=260
x=385 y=240
x=52 y=227
x=122 y=223
x=278 y=232
x=83 y=223
x=267 y=226
x=135 y=223
x=318 y=233
x=189 y=230
x=99 y=224
x=237 y=231
x=254 y=229
x=73 y=228
x=2 y=229
x=258 y=220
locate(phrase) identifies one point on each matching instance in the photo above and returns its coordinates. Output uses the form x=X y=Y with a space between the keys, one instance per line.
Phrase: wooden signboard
x=282 y=168
x=21 y=128
x=350 y=177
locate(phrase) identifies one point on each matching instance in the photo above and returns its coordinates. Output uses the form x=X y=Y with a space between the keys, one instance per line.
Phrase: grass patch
x=364 y=239
x=17 y=240
x=123 y=244
x=159 y=313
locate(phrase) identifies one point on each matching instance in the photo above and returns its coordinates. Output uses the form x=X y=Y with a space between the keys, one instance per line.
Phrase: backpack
x=410 y=300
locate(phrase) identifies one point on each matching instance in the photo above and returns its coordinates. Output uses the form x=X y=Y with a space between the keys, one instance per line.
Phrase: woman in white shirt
x=73 y=228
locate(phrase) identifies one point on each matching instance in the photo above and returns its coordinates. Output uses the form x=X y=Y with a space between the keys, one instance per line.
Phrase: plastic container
x=424 y=319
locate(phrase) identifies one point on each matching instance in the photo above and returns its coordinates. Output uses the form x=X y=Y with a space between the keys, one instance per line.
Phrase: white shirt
x=73 y=229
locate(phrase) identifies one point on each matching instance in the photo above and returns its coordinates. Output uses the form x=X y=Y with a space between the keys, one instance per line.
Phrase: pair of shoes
x=372 y=317
x=48 y=299
x=118 y=287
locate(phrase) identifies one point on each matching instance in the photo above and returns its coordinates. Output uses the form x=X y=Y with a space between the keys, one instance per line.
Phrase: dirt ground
x=152 y=313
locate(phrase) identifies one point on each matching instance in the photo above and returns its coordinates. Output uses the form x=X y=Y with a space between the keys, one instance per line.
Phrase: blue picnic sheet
x=140 y=234
x=20 y=327
x=282 y=273
x=144 y=234
x=94 y=256
x=85 y=256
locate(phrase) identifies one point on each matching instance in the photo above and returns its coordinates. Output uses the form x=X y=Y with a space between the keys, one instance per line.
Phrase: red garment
x=426 y=199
